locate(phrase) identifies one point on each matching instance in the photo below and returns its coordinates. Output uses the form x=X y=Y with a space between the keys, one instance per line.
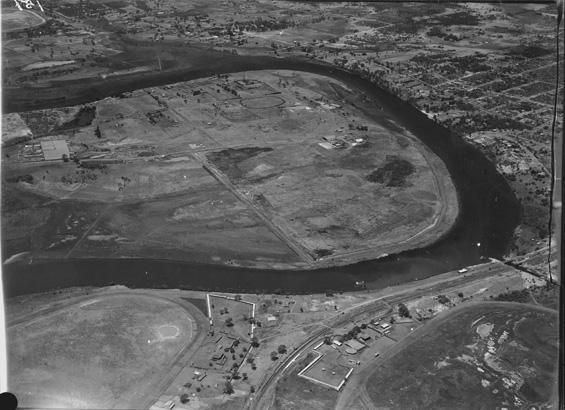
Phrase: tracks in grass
x=90 y=228
x=280 y=233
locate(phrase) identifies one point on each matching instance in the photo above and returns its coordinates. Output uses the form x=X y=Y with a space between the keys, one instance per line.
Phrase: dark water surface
x=489 y=211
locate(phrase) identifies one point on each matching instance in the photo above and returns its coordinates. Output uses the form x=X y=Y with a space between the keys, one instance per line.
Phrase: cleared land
x=489 y=355
x=293 y=392
x=327 y=371
x=267 y=168
x=104 y=352
x=17 y=20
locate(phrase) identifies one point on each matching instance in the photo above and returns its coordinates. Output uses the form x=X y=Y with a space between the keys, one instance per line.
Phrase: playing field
x=104 y=352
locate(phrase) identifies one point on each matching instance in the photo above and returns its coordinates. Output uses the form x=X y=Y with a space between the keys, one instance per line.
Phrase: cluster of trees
x=393 y=173
x=82 y=176
x=280 y=350
x=403 y=311
x=485 y=121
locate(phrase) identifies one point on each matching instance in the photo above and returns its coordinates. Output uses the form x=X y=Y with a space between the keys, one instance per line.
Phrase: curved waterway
x=488 y=214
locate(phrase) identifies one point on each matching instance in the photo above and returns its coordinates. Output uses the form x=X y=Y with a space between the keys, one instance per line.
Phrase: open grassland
x=293 y=392
x=486 y=355
x=258 y=168
x=231 y=316
x=17 y=20
x=104 y=352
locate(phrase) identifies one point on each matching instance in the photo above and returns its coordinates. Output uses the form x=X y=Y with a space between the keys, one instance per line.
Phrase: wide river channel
x=489 y=211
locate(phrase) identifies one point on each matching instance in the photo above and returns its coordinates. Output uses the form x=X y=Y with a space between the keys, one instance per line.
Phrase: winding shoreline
x=452 y=250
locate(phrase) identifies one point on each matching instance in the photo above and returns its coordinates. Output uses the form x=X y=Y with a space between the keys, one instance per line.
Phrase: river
x=489 y=211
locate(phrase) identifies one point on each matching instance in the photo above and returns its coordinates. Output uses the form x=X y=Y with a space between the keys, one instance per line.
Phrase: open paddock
x=223 y=309
x=14 y=20
x=170 y=157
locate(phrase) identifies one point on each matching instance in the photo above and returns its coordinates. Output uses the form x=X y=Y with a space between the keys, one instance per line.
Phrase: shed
x=217 y=356
x=354 y=344
x=54 y=150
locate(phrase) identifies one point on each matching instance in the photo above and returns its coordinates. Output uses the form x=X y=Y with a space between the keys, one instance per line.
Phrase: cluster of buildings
x=48 y=150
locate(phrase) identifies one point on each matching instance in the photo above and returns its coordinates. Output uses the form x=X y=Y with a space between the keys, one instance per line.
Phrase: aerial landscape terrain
x=253 y=204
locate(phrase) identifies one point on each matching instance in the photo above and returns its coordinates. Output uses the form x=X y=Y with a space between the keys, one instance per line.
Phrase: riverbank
x=488 y=218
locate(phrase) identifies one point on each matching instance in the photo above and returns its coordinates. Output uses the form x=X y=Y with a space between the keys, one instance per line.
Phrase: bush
x=443 y=299
x=228 y=388
x=521 y=296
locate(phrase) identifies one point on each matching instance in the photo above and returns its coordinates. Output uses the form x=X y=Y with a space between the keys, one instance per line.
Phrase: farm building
x=54 y=150
x=355 y=345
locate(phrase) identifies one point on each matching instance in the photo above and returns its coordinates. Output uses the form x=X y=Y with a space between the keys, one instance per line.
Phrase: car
x=464 y=270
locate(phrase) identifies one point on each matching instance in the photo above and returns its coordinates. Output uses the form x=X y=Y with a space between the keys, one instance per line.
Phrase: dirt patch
x=228 y=160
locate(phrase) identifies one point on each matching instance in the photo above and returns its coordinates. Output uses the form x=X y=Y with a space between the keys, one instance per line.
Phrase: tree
x=229 y=322
x=327 y=340
x=254 y=341
x=65 y=158
x=184 y=398
x=274 y=356
x=228 y=388
x=252 y=389
x=282 y=349
x=403 y=310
